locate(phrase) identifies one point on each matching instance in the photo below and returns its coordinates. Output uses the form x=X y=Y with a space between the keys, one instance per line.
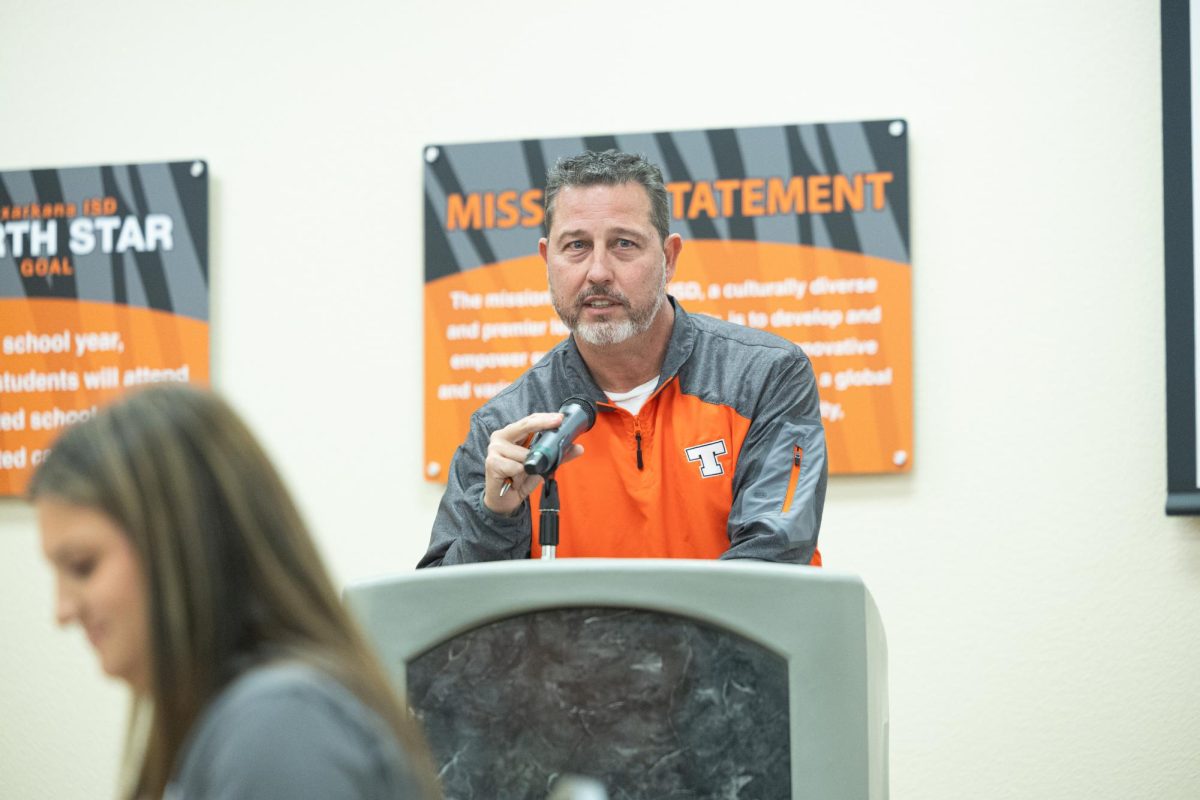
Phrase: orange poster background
x=868 y=428
x=153 y=340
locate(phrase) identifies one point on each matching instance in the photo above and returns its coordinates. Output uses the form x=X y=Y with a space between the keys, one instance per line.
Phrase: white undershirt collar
x=633 y=400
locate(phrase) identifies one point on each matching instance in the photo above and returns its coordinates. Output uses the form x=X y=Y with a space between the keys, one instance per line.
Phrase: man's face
x=607 y=267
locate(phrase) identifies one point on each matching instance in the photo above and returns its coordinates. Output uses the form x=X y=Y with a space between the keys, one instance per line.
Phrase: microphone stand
x=548 y=527
x=546 y=453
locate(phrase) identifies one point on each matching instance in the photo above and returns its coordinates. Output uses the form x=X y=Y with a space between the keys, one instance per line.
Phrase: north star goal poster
x=800 y=230
x=103 y=288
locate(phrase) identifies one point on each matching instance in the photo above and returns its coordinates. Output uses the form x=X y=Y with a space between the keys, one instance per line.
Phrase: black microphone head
x=546 y=450
x=587 y=405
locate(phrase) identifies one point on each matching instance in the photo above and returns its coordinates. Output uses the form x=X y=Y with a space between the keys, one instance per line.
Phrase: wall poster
x=103 y=287
x=801 y=230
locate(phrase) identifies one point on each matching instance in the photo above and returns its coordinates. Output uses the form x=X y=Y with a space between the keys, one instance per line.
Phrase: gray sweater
x=288 y=731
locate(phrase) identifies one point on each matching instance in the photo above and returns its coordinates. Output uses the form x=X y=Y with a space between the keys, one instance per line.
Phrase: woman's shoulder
x=280 y=684
x=287 y=727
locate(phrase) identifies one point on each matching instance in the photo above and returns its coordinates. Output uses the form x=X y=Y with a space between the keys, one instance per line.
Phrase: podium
x=659 y=678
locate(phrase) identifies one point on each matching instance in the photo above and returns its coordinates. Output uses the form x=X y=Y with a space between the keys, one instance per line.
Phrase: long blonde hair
x=232 y=575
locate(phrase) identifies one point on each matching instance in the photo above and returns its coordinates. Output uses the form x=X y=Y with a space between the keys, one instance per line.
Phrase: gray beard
x=616 y=331
x=601 y=334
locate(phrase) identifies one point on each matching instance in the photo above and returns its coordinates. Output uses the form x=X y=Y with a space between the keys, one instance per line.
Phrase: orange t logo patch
x=707 y=454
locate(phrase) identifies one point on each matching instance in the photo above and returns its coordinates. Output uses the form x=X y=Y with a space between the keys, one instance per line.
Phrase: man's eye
x=575 y=245
x=82 y=568
x=625 y=243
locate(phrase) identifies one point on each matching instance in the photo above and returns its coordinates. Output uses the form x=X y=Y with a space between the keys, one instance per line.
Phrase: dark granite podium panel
x=653 y=705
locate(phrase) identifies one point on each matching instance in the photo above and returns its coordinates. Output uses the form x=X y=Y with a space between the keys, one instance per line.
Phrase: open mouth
x=601 y=302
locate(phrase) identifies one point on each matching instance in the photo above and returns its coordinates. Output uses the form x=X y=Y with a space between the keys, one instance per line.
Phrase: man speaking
x=707 y=441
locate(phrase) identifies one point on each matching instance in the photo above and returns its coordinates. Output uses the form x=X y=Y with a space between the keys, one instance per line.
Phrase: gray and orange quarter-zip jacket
x=725 y=460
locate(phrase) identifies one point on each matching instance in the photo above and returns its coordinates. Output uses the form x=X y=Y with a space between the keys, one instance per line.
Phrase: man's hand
x=506 y=462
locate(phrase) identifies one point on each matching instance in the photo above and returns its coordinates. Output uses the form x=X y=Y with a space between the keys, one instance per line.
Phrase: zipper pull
x=797 y=457
x=638 y=435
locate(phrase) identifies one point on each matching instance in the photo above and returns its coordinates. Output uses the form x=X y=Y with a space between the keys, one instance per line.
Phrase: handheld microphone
x=546 y=451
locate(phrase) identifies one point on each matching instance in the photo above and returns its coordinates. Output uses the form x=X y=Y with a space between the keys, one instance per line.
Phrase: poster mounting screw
x=433 y=469
x=900 y=458
x=197 y=169
x=431 y=153
x=896 y=127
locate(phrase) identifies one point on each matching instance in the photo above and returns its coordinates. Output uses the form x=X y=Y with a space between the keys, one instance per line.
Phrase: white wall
x=1043 y=615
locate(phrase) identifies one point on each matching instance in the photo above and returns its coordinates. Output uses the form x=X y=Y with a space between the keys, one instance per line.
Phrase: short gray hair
x=610 y=168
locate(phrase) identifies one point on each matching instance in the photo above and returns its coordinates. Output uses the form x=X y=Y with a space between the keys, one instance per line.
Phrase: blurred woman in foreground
x=178 y=550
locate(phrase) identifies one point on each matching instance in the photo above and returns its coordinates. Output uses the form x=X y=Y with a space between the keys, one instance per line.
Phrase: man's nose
x=599 y=269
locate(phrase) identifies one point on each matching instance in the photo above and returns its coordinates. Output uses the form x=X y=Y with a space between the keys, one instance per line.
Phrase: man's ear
x=671 y=248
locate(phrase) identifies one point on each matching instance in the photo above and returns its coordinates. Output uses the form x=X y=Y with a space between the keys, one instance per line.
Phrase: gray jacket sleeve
x=465 y=530
x=783 y=450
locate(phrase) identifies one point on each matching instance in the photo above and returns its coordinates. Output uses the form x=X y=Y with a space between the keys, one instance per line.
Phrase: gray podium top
x=577 y=645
